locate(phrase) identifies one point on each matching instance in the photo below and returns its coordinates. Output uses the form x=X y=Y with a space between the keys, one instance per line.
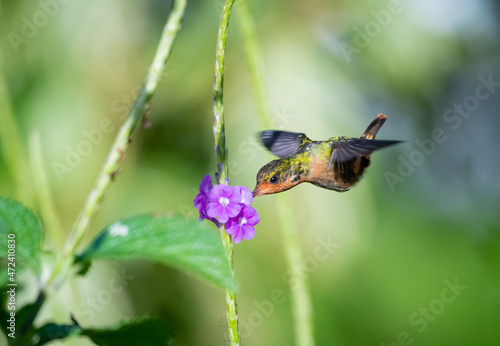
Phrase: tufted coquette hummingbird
x=335 y=164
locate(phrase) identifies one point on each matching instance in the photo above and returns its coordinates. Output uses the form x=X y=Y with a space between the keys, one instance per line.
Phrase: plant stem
x=218 y=107
x=43 y=195
x=12 y=149
x=301 y=300
x=252 y=55
x=122 y=140
x=221 y=153
x=301 y=297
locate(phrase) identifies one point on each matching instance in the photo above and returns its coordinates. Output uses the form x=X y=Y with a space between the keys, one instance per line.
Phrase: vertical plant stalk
x=301 y=299
x=122 y=140
x=12 y=149
x=222 y=155
x=252 y=55
x=42 y=193
x=10 y=142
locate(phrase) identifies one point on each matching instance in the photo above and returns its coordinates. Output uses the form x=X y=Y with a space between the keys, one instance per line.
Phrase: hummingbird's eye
x=274 y=179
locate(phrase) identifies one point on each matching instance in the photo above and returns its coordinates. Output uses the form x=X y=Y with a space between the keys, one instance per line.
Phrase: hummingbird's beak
x=257 y=193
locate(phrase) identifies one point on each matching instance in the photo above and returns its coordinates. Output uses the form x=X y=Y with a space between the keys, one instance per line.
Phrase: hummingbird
x=337 y=163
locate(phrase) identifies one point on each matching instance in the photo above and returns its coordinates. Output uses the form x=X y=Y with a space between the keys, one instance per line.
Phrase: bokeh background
x=425 y=217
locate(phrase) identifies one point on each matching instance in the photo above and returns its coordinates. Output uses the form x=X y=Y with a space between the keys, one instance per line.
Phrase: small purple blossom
x=246 y=195
x=242 y=226
x=201 y=199
x=223 y=203
x=229 y=205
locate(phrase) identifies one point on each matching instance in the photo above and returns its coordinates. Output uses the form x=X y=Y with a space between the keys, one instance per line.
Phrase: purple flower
x=242 y=226
x=201 y=199
x=230 y=205
x=246 y=195
x=223 y=203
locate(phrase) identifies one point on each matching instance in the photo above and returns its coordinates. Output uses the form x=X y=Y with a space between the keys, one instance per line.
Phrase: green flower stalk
x=221 y=153
x=301 y=299
x=218 y=107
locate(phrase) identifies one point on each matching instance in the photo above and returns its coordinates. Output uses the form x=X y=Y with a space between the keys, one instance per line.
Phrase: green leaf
x=144 y=330
x=4 y=323
x=18 y=220
x=4 y=276
x=186 y=244
x=23 y=319
x=52 y=331
x=27 y=314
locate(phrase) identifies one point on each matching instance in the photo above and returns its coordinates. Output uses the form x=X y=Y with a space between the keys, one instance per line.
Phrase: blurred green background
x=425 y=217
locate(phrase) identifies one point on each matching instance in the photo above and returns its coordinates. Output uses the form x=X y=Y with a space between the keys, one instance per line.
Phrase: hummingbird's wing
x=281 y=143
x=353 y=147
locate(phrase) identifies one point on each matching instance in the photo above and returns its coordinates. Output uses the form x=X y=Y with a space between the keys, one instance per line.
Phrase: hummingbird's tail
x=373 y=128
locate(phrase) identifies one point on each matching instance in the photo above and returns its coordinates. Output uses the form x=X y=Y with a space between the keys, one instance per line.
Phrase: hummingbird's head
x=276 y=176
